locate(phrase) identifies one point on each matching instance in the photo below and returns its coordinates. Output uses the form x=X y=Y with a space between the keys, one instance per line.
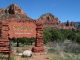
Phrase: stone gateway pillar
x=4 y=40
x=39 y=39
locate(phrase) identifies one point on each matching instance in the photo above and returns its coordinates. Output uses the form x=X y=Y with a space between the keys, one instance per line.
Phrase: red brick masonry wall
x=22 y=29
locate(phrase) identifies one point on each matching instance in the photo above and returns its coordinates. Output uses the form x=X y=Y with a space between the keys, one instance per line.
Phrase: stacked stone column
x=4 y=41
x=39 y=39
x=5 y=30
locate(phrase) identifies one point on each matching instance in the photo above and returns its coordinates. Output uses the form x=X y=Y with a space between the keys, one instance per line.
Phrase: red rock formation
x=14 y=9
x=48 y=19
x=68 y=25
x=15 y=23
x=2 y=11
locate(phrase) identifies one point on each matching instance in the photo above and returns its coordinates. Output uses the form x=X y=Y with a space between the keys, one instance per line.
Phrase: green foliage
x=72 y=36
x=27 y=41
x=47 y=35
x=78 y=37
x=24 y=41
x=56 y=35
x=51 y=34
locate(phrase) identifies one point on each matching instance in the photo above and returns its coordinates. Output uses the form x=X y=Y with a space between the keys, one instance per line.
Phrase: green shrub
x=51 y=35
x=23 y=41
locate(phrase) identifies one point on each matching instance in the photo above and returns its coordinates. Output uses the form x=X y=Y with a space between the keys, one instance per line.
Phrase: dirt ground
x=36 y=56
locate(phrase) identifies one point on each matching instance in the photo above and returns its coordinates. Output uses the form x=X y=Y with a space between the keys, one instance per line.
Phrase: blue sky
x=63 y=9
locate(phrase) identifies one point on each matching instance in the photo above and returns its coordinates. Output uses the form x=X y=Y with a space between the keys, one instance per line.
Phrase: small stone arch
x=5 y=41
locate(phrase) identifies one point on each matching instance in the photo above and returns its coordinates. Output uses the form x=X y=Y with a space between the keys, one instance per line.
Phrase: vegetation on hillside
x=51 y=34
x=62 y=44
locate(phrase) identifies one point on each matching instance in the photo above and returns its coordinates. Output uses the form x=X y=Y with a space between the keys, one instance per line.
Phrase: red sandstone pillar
x=4 y=41
x=39 y=39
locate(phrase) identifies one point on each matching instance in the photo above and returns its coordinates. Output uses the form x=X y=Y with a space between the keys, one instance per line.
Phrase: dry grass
x=57 y=51
x=64 y=56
